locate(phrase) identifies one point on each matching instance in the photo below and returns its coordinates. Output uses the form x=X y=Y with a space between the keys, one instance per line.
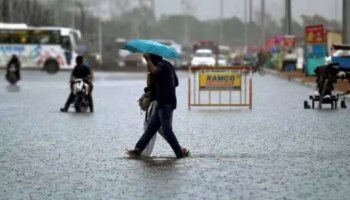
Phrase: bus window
x=24 y=40
x=14 y=37
x=20 y=36
x=45 y=37
x=4 y=37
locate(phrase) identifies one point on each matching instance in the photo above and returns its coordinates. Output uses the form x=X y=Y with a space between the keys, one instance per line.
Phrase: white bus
x=47 y=48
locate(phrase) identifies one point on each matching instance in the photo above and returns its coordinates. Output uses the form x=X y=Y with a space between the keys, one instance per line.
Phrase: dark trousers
x=70 y=100
x=162 y=117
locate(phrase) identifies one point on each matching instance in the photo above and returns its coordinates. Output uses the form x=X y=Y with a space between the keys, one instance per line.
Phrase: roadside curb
x=296 y=80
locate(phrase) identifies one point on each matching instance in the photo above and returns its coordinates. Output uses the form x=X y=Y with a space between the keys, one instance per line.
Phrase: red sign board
x=282 y=41
x=289 y=42
x=271 y=43
x=315 y=34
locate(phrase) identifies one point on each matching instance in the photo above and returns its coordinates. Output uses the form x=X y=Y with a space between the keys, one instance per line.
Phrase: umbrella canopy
x=153 y=47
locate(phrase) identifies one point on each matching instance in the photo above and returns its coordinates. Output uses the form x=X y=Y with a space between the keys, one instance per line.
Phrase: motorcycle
x=81 y=92
x=12 y=76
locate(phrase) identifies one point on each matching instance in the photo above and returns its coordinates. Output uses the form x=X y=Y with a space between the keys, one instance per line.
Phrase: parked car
x=340 y=55
x=134 y=61
x=250 y=60
x=185 y=61
x=203 y=57
x=222 y=60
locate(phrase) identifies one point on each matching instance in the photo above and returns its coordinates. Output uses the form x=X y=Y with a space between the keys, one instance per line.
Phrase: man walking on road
x=165 y=83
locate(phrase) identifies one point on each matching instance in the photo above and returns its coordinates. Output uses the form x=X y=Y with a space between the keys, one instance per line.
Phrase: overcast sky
x=210 y=9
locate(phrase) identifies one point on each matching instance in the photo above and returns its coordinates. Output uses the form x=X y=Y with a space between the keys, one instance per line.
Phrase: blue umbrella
x=153 y=47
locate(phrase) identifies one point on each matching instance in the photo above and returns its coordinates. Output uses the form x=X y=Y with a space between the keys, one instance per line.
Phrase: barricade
x=220 y=86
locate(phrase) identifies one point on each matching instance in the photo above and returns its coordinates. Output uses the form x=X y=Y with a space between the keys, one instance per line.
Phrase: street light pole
x=73 y=14
x=186 y=28
x=100 y=39
x=250 y=11
x=288 y=17
x=82 y=13
x=263 y=27
x=221 y=21
x=10 y=11
x=245 y=26
x=73 y=19
x=346 y=9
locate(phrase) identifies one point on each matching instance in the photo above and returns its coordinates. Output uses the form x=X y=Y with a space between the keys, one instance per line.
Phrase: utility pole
x=82 y=16
x=335 y=10
x=263 y=26
x=73 y=19
x=288 y=17
x=346 y=20
x=221 y=34
x=153 y=7
x=11 y=10
x=73 y=13
x=100 y=40
x=185 y=5
x=250 y=11
x=245 y=26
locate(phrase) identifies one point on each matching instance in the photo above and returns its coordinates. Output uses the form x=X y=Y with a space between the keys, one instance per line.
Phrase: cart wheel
x=343 y=104
x=306 y=105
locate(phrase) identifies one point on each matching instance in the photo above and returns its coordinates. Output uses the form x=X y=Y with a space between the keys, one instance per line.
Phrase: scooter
x=12 y=76
x=80 y=91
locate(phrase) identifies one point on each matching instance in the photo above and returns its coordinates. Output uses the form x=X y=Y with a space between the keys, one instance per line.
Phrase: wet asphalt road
x=276 y=151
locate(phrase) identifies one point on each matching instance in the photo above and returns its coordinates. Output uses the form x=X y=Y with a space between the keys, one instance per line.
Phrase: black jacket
x=81 y=71
x=14 y=61
x=165 y=81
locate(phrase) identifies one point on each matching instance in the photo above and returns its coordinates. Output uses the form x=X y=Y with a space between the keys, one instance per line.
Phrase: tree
x=5 y=10
x=317 y=19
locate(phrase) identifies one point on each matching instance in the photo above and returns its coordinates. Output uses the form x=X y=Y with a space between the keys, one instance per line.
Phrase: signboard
x=315 y=47
x=219 y=80
x=281 y=42
x=271 y=43
x=289 y=42
x=315 y=34
x=317 y=50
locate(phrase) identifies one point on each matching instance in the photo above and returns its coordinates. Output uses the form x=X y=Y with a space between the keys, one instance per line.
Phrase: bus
x=48 y=48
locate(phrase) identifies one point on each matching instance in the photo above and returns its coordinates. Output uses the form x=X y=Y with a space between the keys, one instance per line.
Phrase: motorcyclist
x=14 y=61
x=80 y=71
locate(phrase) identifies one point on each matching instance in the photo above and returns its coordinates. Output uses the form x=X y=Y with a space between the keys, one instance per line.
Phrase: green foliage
x=317 y=19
